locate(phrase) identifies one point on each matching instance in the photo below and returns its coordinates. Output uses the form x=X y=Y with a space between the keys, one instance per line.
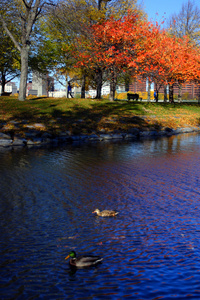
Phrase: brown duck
x=105 y=213
x=83 y=261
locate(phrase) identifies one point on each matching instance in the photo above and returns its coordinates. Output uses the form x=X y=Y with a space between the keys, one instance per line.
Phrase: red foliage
x=168 y=59
x=133 y=43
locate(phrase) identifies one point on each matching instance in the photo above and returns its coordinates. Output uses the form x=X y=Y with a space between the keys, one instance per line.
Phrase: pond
x=150 y=250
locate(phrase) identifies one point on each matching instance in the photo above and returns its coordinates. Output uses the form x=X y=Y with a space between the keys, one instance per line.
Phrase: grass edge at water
x=91 y=115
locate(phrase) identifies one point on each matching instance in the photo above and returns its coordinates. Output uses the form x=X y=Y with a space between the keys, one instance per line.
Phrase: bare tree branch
x=10 y=34
x=186 y=22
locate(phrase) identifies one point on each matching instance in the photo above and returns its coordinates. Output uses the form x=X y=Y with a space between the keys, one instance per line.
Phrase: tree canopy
x=133 y=43
x=24 y=15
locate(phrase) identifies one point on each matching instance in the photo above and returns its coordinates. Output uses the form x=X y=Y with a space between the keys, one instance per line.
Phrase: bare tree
x=186 y=22
x=25 y=13
x=9 y=60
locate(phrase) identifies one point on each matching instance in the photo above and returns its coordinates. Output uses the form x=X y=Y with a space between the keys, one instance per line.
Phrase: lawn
x=88 y=115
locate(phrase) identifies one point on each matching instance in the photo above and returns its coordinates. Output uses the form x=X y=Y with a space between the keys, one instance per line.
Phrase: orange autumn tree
x=147 y=62
x=110 y=47
x=167 y=60
x=185 y=64
x=131 y=43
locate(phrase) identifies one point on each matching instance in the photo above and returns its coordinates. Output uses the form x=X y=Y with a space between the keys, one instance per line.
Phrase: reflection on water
x=151 y=249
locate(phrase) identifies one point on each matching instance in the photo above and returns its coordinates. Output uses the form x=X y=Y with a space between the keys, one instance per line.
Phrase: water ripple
x=150 y=250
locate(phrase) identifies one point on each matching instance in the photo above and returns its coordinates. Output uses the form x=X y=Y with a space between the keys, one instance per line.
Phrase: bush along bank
x=36 y=136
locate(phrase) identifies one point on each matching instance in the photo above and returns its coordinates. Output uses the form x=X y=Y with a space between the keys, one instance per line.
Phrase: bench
x=6 y=93
x=132 y=96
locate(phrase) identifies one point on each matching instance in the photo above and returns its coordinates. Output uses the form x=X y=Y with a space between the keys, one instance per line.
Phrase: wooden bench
x=6 y=94
x=132 y=96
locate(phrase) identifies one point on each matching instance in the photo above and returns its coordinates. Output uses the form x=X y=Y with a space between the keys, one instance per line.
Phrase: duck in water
x=105 y=213
x=83 y=261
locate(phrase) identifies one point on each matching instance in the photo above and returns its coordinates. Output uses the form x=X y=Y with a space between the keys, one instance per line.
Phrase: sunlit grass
x=86 y=115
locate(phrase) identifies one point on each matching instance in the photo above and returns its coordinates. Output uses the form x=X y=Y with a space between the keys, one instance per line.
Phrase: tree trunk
x=24 y=72
x=157 y=91
x=113 y=84
x=112 y=90
x=179 y=92
x=127 y=82
x=99 y=83
x=99 y=4
x=149 y=90
x=165 y=93
x=171 y=93
x=157 y=95
x=83 y=87
x=199 y=94
x=3 y=82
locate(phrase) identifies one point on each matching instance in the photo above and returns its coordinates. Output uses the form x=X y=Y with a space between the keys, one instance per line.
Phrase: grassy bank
x=88 y=115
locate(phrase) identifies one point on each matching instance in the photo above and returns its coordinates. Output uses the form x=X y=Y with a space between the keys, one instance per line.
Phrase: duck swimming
x=83 y=261
x=105 y=213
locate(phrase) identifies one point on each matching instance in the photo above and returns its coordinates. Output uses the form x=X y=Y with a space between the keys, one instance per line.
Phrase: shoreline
x=52 y=122
x=34 y=138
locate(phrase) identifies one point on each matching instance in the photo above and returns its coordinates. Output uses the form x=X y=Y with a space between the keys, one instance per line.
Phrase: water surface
x=151 y=250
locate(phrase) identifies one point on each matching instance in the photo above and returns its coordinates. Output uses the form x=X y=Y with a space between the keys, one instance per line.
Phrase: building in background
x=91 y=93
x=44 y=85
x=10 y=87
x=41 y=85
x=189 y=90
x=38 y=85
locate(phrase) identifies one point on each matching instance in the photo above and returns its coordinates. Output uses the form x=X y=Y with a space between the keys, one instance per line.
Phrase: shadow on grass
x=111 y=116
x=118 y=115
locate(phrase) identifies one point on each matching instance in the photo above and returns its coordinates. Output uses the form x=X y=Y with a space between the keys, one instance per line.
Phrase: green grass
x=86 y=115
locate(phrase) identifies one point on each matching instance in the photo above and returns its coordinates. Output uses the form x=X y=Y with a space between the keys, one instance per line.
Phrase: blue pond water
x=151 y=250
